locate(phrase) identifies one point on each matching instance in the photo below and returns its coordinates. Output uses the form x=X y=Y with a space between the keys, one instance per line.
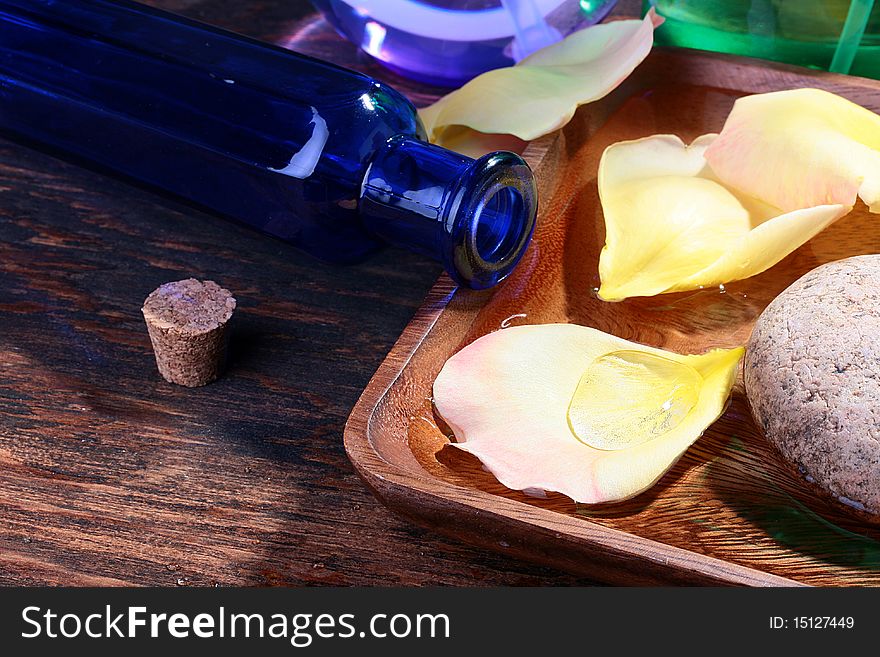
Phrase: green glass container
x=837 y=35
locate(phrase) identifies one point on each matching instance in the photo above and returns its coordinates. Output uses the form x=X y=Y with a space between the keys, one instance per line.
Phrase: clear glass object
x=448 y=42
x=837 y=35
x=323 y=157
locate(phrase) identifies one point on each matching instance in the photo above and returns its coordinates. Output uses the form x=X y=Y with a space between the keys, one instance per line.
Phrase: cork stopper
x=187 y=321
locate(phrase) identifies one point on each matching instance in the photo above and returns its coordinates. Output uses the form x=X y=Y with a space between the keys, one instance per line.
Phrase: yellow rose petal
x=509 y=398
x=800 y=148
x=626 y=398
x=671 y=225
x=541 y=93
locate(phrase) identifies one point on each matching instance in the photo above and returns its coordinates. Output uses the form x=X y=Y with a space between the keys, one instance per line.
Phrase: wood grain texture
x=730 y=511
x=109 y=475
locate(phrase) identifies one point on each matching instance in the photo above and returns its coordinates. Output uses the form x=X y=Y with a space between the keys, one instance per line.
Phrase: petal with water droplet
x=570 y=409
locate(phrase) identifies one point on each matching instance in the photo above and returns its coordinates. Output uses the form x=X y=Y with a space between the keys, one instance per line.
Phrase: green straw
x=851 y=35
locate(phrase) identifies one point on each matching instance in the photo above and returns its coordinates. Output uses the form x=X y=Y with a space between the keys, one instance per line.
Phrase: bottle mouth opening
x=497 y=223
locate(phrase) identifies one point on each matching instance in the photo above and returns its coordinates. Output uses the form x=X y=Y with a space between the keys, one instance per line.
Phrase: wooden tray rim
x=394 y=485
x=391 y=483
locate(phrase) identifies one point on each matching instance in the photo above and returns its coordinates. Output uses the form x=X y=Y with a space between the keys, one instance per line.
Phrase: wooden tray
x=730 y=512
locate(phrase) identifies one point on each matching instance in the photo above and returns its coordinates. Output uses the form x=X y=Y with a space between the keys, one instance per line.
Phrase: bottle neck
x=474 y=216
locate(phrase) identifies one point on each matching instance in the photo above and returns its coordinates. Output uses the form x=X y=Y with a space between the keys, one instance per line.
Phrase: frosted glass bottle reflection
x=447 y=42
x=323 y=157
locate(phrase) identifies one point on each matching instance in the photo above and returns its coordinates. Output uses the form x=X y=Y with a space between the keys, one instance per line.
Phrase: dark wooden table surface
x=111 y=476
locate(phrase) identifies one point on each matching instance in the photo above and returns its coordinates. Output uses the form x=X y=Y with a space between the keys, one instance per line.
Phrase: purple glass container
x=448 y=42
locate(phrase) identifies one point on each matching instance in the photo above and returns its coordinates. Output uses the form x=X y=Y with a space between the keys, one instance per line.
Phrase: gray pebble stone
x=812 y=376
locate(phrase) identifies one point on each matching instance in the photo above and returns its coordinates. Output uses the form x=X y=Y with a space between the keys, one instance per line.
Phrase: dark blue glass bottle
x=318 y=155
